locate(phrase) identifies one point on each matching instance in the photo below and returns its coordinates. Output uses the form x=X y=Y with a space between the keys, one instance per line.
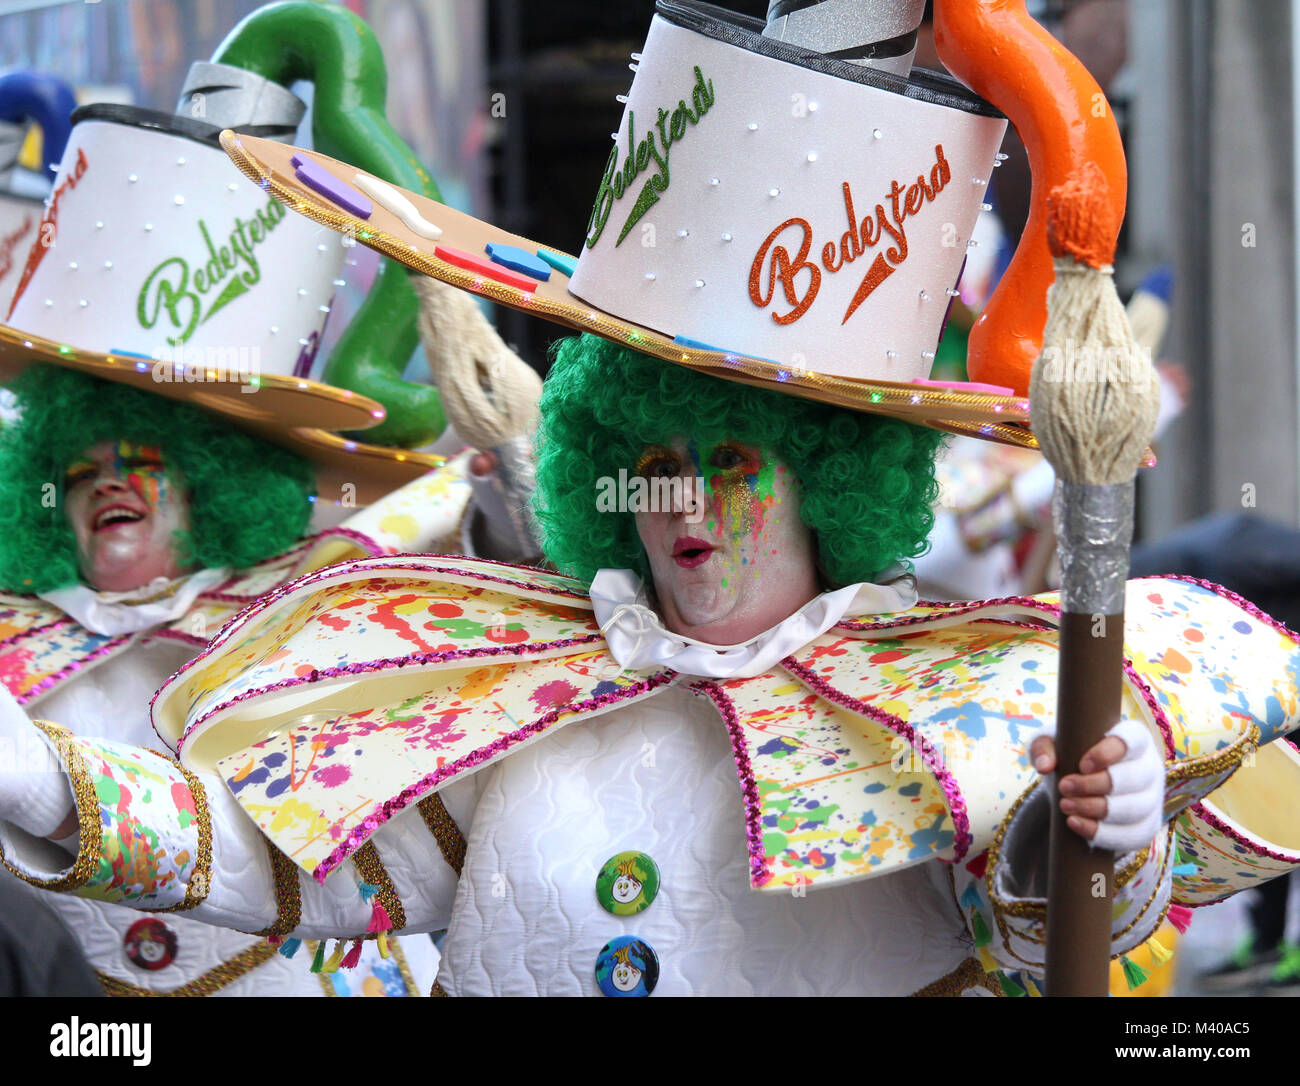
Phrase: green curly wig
x=249 y=500
x=867 y=482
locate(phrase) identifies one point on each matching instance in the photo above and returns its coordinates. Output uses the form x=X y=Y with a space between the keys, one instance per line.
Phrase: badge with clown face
x=627 y=883
x=627 y=966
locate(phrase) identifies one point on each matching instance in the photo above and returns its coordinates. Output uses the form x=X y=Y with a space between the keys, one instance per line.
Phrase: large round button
x=150 y=944
x=627 y=883
x=627 y=966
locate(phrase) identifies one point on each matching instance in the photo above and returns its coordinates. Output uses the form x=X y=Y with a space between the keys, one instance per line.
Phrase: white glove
x=1135 y=802
x=35 y=794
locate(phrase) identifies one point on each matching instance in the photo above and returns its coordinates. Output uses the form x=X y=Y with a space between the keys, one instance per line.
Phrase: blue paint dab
x=1243 y=627
x=517 y=259
x=1033 y=686
x=913 y=789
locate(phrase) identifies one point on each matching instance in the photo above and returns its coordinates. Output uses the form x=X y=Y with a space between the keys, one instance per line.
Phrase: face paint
x=748 y=563
x=126 y=507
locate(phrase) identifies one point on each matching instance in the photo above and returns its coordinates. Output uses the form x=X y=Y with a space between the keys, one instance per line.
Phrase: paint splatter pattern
x=149 y=823
x=839 y=793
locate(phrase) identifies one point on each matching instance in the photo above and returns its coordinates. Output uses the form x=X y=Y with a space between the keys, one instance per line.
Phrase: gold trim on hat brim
x=267 y=163
x=286 y=411
x=284 y=402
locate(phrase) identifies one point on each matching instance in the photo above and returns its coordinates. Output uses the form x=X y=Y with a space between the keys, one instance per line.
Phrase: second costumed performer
x=732 y=686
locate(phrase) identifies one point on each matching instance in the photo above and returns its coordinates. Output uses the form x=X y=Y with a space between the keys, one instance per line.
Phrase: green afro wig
x=868 y=485
x=249 y=500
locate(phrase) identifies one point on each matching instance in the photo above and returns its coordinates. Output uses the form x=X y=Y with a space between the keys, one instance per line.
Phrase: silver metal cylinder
x=1094 y=528
x=230 y=97
x=874 y=33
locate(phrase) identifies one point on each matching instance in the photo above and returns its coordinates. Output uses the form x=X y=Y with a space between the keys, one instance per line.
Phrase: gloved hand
x=1116 y=801
x=35 y=793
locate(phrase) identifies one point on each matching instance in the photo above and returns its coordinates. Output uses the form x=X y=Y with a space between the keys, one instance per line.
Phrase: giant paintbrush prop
x=1093 y=403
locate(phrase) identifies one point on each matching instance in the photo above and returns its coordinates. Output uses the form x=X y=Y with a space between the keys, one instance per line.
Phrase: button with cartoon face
x=627 y=883
x=150 y=944
x=627 y=966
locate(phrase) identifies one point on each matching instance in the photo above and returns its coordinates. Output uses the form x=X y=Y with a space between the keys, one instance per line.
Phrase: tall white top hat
x=767 y=214
x=157 y=265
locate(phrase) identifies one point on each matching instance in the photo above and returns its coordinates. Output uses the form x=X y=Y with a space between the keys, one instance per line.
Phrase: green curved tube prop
x=328 y=46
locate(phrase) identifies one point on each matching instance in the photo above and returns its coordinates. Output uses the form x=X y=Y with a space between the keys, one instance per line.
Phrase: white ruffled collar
x=638 y=639
x=113 y=613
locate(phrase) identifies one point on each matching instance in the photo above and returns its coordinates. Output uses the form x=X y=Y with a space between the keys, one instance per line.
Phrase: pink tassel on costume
x=1180 y=916
x=353 y=957
x=379 y=920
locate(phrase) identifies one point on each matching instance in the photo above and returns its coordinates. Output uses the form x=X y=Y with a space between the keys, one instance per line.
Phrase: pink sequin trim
x=951 y=790
x=383 y=812
x=275 y=595
x=1211 y=819
x=172 y=634
x=368 y=667
x=31 y=631
x=759 y=875
x=1157 y=710
x=46 y=683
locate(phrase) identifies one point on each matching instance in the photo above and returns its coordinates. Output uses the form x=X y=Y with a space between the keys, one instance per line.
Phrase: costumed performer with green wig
x=725 y=750
x=132 y=527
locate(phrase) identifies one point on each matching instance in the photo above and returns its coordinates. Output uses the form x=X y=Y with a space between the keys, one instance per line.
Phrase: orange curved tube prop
x=1080 y=179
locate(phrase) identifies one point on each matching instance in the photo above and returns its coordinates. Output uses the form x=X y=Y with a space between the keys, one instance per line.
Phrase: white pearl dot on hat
x=651 y=276
x=891 y=354
x=322 y=248
x=49 y=302
x=713 y=181
x=302 y=292
x=83 y=303
x=978 y=181
x=812 y=107
x=683 y=233
x=302 y=343
x=726 y=237
x=699 y=283
x=876 y=134
x=753 y=126
x=72 y=264
x=99 y=225
x=925 y=296
x=928 y=355
x=178 y=199
x=148 y=226
x=340 y=282
x=323 y=308
x=108 y=264
x=812 y=156
x=232 y=186
x=275 y=328
x=133 y=178
x=180 y=161
x=774 y=192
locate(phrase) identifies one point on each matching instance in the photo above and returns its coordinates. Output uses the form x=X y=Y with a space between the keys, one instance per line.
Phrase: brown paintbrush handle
x=1080 y=879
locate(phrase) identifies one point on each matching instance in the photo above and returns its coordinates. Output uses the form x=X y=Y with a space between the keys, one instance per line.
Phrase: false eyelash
x=650 y=456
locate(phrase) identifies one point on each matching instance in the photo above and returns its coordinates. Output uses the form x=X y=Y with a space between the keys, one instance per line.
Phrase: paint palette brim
x=1002 y=418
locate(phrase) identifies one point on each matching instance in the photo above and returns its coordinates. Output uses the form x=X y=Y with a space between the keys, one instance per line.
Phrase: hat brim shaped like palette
x=768 y=216
x=156 y=265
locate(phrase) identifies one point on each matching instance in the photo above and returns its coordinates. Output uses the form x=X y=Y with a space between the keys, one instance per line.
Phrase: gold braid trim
x=212 y=981
x=970 y=974
x=372 y=870
x=1210 y=765
x=288 y=893
x=90 y=844
x=439 y=992
x=451 y=842
x=201 y=881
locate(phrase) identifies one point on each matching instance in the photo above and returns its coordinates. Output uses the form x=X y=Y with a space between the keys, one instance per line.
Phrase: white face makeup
x=744 y=565
x=125 y=507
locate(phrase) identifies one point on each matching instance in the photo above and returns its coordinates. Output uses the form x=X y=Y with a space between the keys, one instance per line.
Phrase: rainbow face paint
x=742 y=563
x=126 y=507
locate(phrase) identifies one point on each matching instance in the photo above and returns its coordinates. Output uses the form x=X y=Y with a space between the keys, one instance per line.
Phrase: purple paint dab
x=315 y=176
